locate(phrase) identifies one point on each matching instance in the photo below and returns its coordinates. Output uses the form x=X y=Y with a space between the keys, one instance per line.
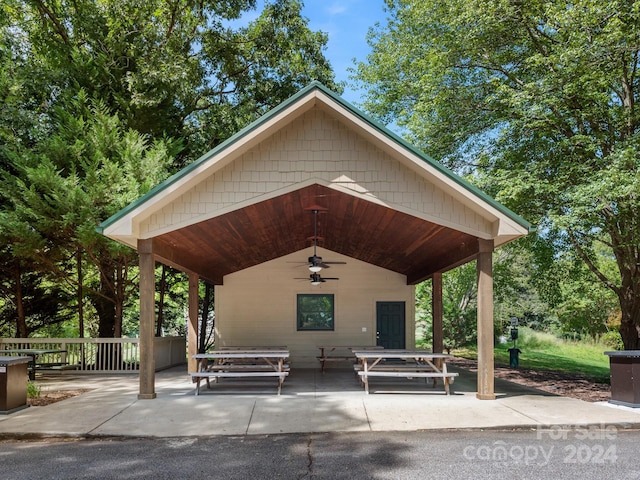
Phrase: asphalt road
x=550 y=453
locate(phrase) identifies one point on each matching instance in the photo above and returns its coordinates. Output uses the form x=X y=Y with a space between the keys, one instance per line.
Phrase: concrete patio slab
x=324 y=414
x=551 y=410
x=310 y=403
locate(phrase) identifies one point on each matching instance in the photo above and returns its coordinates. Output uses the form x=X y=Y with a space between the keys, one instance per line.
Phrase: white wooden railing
x=101 y=355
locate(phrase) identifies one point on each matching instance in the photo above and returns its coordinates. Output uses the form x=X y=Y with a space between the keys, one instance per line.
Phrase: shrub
x=33 y=390
x=613 y=340
x=532 y=340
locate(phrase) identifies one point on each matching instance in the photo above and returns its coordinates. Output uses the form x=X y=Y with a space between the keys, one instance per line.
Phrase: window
x=315 y=312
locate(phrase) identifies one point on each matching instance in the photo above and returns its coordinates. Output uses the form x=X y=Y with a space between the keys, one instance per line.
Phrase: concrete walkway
x=310 y=402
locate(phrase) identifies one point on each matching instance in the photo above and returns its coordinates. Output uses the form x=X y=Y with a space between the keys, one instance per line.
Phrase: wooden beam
x=184 y=260
x=192 y=326
x=147 y=320
x=485 y=321
x=437 y=312
x=455 y=257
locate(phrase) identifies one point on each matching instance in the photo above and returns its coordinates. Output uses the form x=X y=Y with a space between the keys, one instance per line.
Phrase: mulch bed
x=558 y=383
x=47 y=398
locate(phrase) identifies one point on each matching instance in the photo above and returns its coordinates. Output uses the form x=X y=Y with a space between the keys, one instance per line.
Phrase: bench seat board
x=242 y=368
x=448 y=377
x=407 y=373
x=198 y=376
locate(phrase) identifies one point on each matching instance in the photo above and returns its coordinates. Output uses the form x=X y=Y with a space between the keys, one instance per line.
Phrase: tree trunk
x=105 y=303
x=119 y=300
x=624 y=240
x=21 y=321
x=162 y=287
x=109 y=302
x=207 y=303
x=80 y=295
x=630 y=324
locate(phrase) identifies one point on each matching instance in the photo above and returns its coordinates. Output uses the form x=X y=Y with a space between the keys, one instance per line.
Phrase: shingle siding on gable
x=315 y=146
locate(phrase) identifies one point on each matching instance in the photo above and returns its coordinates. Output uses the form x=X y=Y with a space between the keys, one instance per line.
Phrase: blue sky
x=346 y=22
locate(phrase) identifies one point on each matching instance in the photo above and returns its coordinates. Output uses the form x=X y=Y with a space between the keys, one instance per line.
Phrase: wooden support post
x=192 y=326
x=436 y=312
x=147 y=320
x=485 y=320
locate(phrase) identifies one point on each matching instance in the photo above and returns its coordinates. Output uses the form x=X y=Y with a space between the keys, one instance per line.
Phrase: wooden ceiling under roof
x=282 y=225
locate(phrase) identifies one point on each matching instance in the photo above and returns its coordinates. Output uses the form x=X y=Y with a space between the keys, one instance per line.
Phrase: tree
x=459 y=302
x=105 y=99
x=515 y=296
x=206 y=335
x=65 y=184
x=585 y=307
x=540 y=98
x=176 y=68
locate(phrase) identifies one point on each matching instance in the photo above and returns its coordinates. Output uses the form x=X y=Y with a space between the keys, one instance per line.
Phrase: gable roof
x=313 y=91
x=214 y=239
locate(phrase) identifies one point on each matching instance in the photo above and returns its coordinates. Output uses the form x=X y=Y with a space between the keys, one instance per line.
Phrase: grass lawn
x=540 y=351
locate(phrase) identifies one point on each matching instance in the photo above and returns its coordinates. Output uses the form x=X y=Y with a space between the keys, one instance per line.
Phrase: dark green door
x=390 y=324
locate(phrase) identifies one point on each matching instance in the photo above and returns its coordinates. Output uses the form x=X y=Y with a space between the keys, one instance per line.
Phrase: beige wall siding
x=315 y=147
x=257 y=306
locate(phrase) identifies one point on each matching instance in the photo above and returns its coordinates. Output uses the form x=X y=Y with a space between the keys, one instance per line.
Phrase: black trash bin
x=513 y=357
x=625 y=377
x=13 y=384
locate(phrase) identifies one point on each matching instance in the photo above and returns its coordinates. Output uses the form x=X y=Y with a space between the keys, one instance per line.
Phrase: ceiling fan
x=316 y=279
x=316 y=264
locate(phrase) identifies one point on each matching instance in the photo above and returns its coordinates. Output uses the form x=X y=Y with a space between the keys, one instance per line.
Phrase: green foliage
x=86 y=171
x=33 y=390
x=537 y=99
x=584 y=306
x=542 y=351
x=176 y=68
x=459 y=296
x=613 y=340
x=99 y=102
x=514 y=294
x=529 y=339
x=45 y=305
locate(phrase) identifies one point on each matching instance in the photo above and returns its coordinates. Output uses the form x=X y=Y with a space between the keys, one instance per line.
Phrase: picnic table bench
x=253 y=348
x=239 y=363
x=34 y=354
x=338 y=353
x=57 y=366
x=403 y=363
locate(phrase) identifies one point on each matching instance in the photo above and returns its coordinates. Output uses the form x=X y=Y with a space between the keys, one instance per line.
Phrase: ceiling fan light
x=315 y=282
x=315 y=268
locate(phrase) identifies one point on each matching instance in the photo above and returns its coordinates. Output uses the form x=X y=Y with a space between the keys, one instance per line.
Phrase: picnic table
x=339 y=353
x=34 y=353
x=241 y=363
x=403 y=363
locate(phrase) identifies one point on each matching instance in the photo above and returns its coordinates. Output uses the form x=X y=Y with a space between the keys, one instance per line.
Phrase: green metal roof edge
x=283 y=106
